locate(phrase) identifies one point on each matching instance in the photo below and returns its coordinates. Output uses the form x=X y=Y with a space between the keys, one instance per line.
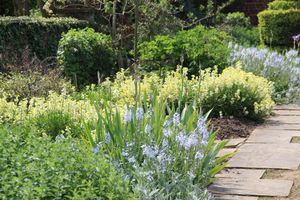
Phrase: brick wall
x=250 y=7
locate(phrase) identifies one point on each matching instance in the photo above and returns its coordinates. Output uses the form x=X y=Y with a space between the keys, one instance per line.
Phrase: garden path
x=274 y=145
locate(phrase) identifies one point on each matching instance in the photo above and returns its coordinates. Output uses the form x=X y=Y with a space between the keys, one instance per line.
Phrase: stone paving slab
x=264 y=160
x=233 y=143
x=261 y=187
x=287 y=107
x=274 y=126
x=241 y=173
x=224 y=152
x=289 y=147
x=232 y=197
x=284 y=119
x=272 y=136
x=287 y=112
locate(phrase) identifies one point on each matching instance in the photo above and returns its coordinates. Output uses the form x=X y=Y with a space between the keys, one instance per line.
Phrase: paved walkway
x=275 y=145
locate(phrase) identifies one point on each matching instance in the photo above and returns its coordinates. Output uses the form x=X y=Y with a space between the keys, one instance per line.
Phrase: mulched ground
x=232 y=128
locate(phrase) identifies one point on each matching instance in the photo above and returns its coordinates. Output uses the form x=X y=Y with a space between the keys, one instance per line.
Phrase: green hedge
x=40 y=36
x=277 y=27
x=284 y=5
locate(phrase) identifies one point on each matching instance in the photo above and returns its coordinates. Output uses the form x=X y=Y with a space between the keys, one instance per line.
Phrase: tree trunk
x=21 y=7
x=41 y=4
x=114 y=23
x=136 y=30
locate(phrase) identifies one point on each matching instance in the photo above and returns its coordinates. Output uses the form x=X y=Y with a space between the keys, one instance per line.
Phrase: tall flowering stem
x=154 y=144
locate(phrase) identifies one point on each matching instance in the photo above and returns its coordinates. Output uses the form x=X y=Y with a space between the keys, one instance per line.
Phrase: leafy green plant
x=28 y=84
x=200 y=44
x=54 y=123
x=237 y=19
x=39 y=168
x=240 y=29
x=83 y=52
x=159 y=147
x=236 y=93
x=246 y=36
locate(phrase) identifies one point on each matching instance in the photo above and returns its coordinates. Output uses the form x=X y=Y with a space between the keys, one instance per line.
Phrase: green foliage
x=39 y=35
x=235 y=93
x=160 y=149
x=239 y=27
x=38 y=168
x=21 y=86
x=204 y=12
x=283 y=5
x=200 y=44
x=83 y=53
x=54 y=123
x=237 y=18
x=277 y=27
x=246 y=36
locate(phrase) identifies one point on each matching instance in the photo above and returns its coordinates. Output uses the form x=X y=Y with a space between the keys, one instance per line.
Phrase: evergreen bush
x=83 y=53
x=277 y=27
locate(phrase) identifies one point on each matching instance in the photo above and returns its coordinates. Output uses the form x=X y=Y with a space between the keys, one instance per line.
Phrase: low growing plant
x=160 y=150
x=39 y=168
x=282 y=69
x=236 y=93
x=54 y=123
x=16 y=85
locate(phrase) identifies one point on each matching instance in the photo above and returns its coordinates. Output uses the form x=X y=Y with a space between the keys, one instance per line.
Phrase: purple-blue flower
x=296 y=37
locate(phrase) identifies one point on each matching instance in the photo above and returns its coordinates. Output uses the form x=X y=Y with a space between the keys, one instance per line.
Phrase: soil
x=232 y=128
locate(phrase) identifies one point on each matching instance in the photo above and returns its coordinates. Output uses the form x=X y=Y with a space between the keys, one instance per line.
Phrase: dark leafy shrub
x=200 y=44
x=40 y=35
x=246 y=36
x=239 y=27
x=83 y=52
x=38 y=168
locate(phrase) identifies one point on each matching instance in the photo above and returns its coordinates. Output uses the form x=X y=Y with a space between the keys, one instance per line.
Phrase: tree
x=21 y=7
x=150 y=17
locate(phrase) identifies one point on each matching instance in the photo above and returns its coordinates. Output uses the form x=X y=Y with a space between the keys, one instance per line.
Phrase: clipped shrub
x=199 y=44
x=284 y=5
x=39 y=35
x=236 y=93
x=83 y=52
x=38 y=168
x=277 y=27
